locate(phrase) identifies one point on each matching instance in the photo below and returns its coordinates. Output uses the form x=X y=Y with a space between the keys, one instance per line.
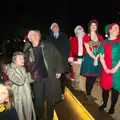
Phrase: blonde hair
x=16 y=54
x=9 y=103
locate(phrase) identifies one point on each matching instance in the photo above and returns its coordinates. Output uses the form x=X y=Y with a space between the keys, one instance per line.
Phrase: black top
x=40 y=61
x=9 y=115
x=61 y=43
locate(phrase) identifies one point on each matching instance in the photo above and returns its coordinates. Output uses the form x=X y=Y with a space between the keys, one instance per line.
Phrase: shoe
x=111 y=111
x=102 y=107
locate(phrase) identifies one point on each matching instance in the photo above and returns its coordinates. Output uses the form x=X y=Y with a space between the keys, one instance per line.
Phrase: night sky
x=18 y=16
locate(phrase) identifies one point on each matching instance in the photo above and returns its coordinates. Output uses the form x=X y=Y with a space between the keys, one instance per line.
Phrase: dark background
x=18 y=16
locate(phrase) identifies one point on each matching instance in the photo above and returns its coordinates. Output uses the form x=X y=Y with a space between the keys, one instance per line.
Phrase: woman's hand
x=95 y=61
x=108 y=71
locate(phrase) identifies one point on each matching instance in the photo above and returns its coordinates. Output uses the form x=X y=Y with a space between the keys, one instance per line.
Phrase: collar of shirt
x=56 y=35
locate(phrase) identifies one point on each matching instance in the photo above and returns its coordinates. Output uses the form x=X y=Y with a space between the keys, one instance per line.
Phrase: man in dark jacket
x=61 y=42
x=44 y=63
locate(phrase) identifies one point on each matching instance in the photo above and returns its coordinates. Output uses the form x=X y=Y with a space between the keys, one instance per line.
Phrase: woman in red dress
x=91 y=66
x=110 y=60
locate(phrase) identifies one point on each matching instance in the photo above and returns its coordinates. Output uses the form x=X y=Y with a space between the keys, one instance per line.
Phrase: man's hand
x=58 y=75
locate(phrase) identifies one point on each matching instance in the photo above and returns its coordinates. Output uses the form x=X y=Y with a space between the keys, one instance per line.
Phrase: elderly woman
x=19 y=81
x=110 y=60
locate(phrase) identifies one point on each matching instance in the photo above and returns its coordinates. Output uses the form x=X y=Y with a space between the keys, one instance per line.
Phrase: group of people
x=38 y=74
x=91 y=56
x=34 y=75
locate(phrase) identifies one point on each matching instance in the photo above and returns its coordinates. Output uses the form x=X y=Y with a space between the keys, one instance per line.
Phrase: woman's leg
x=90 y=80
x=114 y=99
x=105 y=95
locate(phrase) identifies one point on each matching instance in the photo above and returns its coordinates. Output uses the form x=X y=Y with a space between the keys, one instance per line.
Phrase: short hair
x=8 y=104
x=16 y=54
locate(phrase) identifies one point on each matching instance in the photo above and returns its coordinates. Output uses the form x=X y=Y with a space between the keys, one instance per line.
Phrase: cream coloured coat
x=19 y=81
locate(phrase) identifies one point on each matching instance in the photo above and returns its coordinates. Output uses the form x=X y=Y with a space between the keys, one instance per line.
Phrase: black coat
x=9 y=115
x=63 y=46
x=53 y=65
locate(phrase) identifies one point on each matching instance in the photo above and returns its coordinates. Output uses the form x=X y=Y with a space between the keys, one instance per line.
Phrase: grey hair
x=16 y=54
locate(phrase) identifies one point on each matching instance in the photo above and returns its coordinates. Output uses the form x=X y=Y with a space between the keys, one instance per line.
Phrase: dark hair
x=89 y=28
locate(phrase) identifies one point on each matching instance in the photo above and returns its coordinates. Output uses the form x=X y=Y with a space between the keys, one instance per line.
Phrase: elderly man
x=61 y=42
x=75 y=57
x=44 y=63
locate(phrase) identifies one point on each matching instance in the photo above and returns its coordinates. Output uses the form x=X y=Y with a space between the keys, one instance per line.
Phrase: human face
x=93 y=27
x=114 y=31
x=4 y=95
x=39 y=34
x=35 y=37
x=19 y=60
x=55 y=29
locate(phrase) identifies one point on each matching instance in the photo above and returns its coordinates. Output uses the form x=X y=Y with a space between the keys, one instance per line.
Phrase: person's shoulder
x=27 y=46
x=106 y=41
x=74 y=38
x=101 y=37
x=47 y=43
x=63 y=34
x=86 y=36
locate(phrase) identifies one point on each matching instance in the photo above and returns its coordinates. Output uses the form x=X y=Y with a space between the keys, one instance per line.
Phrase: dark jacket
x=63 y=46
x=53 y=65
x=9 y=115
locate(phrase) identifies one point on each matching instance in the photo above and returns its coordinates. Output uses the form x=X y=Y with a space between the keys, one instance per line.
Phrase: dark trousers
x=90 y=80
x=114 y=97
x=63 y=79
x=43 y=92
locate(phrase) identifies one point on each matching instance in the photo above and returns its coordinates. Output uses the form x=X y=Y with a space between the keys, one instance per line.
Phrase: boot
x=102 y=107
x=111 y=111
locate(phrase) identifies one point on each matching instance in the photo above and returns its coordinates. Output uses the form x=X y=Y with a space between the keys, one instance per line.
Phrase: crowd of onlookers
x=38 y=74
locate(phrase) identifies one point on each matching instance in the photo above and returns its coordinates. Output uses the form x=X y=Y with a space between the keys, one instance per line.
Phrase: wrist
x=94 y=57
x=105 y=68
x=119 y=64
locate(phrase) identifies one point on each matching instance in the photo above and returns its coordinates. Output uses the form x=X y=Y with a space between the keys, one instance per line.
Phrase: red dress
x=88 y=68
x=110 y=49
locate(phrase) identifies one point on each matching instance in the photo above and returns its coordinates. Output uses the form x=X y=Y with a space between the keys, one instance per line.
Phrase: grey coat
x=19 y=81
x=53 y=65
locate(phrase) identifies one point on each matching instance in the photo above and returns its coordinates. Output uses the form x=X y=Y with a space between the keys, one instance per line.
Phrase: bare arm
x=89 y=51
x=118 y=65
x=103 y=62
x=98 y=55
